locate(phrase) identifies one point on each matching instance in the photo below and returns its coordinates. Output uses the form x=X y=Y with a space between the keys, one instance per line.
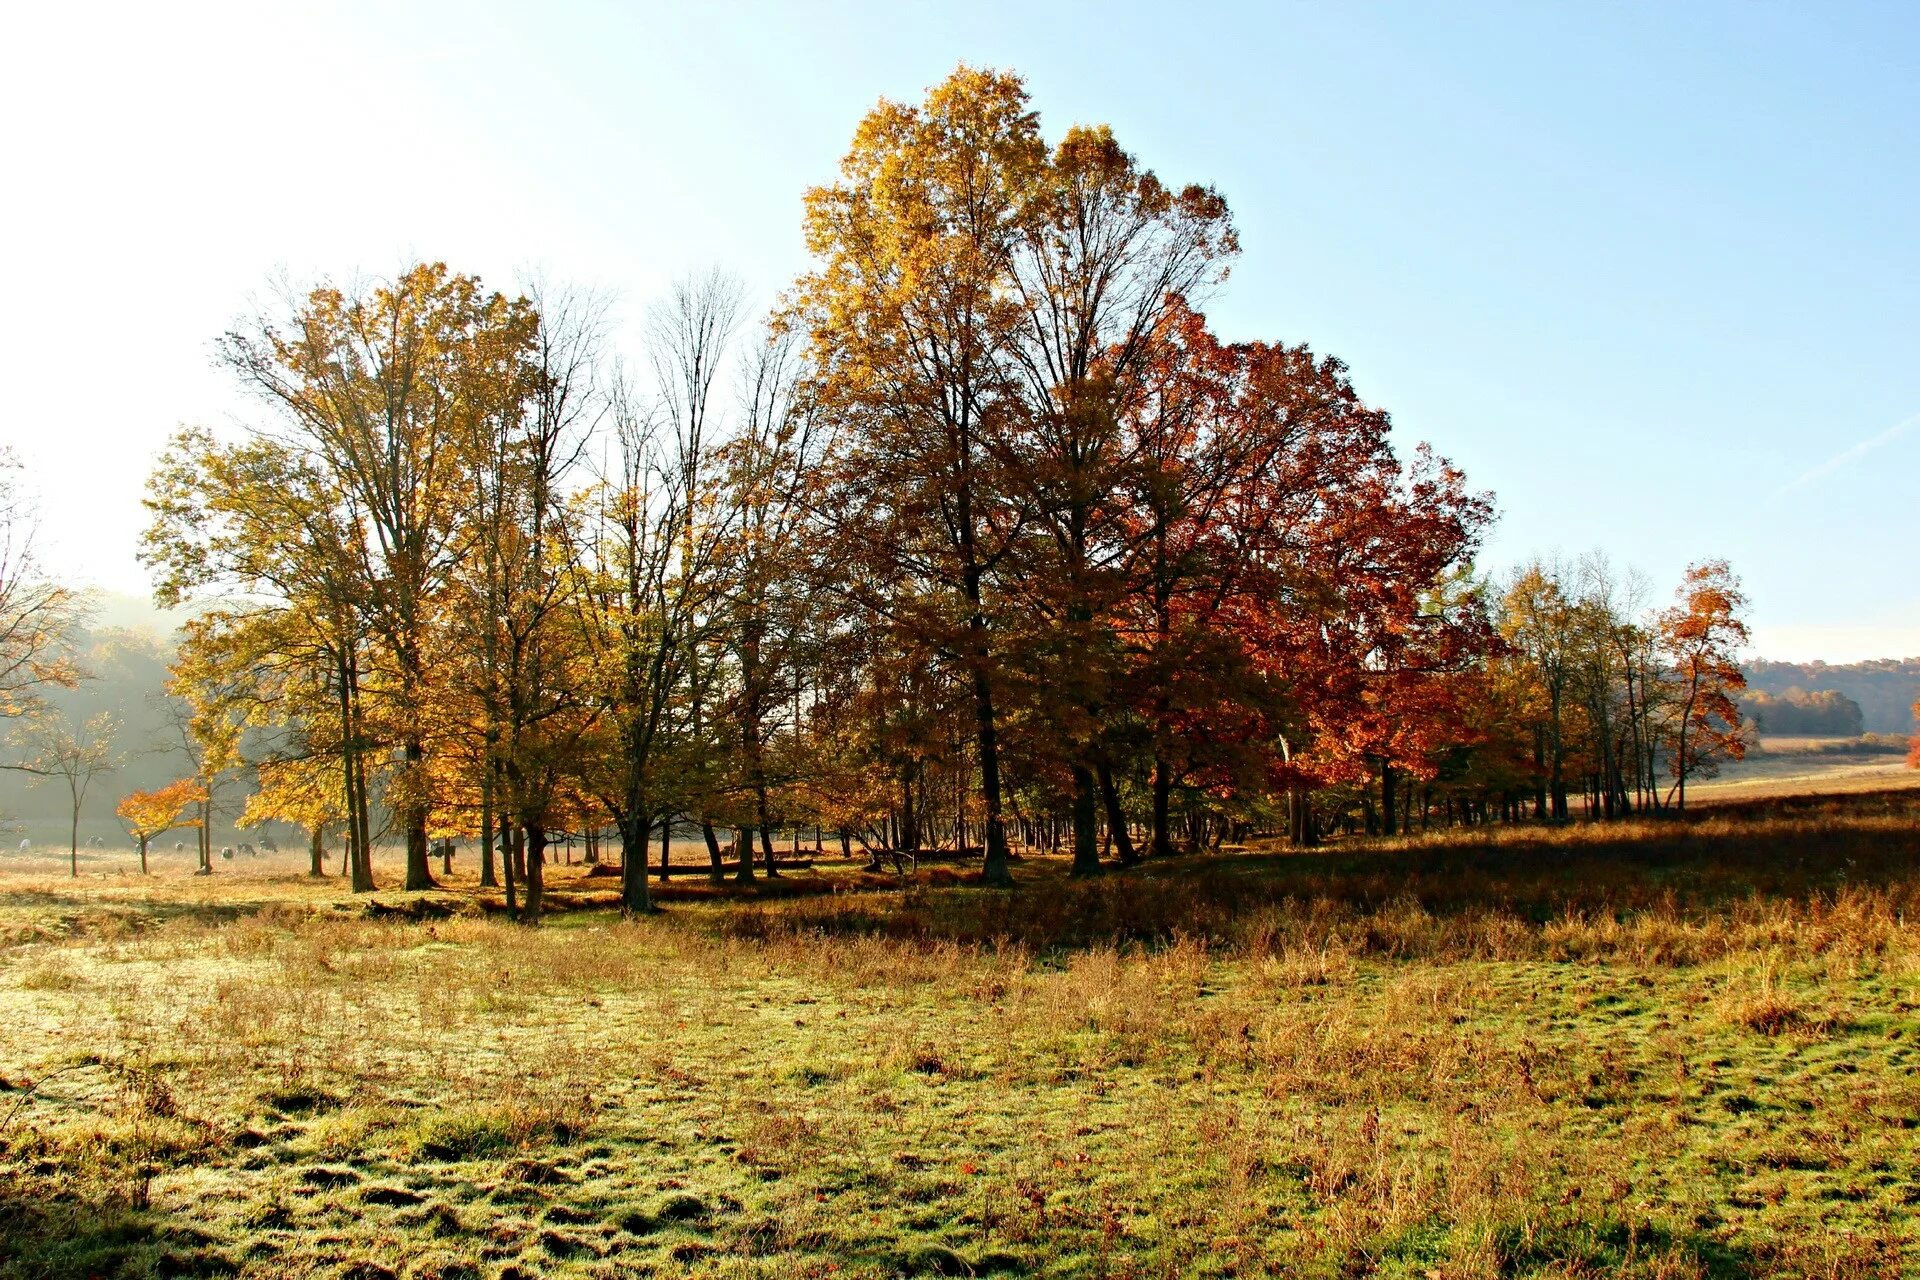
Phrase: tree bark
x=743 y=850
x=1389 y=797
x=766 y=833
x=506 y=866
x=1086 y=853
x=636 y=830
x=1116 y=817
x=487 y=878
x=536 y=838
x=1162 y=805
x=716 y=870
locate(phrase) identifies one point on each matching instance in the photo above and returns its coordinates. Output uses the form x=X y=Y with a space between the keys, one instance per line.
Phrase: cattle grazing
x=226 y=852
x=248 y=850
x=25 y=845
x=267 y=843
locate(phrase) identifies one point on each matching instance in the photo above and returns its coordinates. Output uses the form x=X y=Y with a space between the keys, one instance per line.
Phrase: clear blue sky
x=1647 y=272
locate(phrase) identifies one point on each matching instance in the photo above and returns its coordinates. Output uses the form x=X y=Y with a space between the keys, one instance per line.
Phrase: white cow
x=226 y=851
x=25 y=845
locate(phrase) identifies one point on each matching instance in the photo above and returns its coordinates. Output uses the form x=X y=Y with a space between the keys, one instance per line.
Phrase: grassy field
x=1669 y=1050
x=1796 y=766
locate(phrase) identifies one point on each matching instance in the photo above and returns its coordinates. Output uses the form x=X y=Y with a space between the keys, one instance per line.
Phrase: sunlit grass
x=1651 y=1051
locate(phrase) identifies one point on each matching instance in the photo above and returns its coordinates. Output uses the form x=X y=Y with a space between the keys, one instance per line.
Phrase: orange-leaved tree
x=147 y=814
x=1700 y=636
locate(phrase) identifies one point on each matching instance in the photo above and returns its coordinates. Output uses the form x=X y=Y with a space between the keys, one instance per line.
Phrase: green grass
x=1653 y=1052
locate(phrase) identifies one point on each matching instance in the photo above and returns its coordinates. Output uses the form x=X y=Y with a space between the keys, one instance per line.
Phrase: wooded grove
x=981 y=540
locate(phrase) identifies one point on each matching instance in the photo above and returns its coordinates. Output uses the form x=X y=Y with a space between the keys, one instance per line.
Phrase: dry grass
x=1670 y=1050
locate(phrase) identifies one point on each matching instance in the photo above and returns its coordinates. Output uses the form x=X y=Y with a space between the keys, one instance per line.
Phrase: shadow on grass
x=1480 y=892
x=79 y=913
x=1612 y=1247
x=46 y=1232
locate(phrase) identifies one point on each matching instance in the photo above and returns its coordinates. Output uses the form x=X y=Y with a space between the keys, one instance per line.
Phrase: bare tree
x=648 y=570
x=689 y=335
x=37 y=615
x=75 y=757
x=768 y=467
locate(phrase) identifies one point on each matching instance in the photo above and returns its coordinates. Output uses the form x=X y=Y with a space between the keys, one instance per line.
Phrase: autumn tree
x=911 y=323
x=147 y=814
x=1700 y=637
x=379 y=388
x=691 y=340
x=1103 y=262
x=257 y=520
x=639 y=603
x=517 y=614
x=1539 y=620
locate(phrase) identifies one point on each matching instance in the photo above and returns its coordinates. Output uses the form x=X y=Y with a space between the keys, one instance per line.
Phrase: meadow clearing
x=1683 y=1049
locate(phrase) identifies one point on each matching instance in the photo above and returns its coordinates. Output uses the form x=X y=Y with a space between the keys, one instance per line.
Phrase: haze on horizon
x=1646 y=275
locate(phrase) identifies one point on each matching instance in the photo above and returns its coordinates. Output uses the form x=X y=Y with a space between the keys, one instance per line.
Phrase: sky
x=1646 y=272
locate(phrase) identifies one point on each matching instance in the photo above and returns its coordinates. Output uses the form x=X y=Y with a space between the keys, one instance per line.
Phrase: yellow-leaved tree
x=147 y=814
x=307 y=793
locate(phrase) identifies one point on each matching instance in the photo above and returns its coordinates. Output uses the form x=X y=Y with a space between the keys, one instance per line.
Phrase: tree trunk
x=536 y=838
x=909 y=836
x=716 y=870
x=1162 y=804
x=635 y=831
x=766 y=831
x=1116 y=817
x=998 y=868
x=666 y=848
x=1086 y=852
x=419 y=870
x=143 y=855
x=506 y=866
x=487 y=878
x=1388 y=798
x=317 y=850
x=743 y=850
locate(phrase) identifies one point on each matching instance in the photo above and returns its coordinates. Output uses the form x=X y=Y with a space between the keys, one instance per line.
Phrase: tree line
x=982 y=539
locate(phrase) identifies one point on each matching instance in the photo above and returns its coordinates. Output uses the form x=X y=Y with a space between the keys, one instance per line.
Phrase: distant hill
x=1884 y=688
x=1827 y=713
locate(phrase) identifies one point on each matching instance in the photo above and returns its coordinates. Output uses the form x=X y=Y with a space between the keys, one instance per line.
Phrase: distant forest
x=1885 y=690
